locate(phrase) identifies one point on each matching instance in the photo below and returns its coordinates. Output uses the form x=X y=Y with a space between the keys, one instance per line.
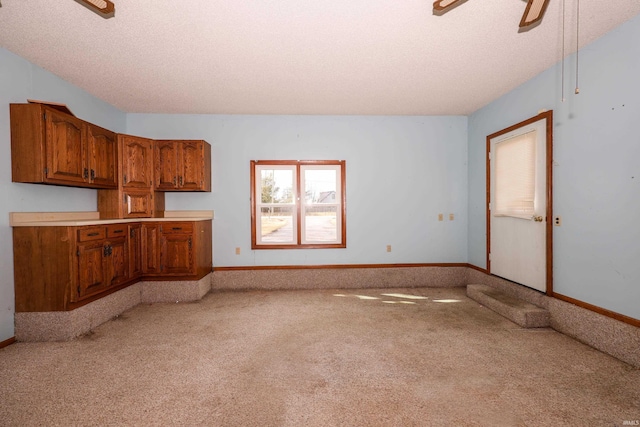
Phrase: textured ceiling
x=299 y=56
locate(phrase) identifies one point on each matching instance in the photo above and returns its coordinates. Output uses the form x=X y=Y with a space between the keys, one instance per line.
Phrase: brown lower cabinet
x=134 y=246
x=62 y=268
x=103 y=259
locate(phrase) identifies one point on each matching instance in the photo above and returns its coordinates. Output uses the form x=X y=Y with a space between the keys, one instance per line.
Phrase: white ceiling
x=299 y=56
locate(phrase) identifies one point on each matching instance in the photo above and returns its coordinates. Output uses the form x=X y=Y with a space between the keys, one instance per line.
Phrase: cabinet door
x=91 y=269
x=65 y=149
x=150 y=248
x=137 y=162
x=166 y=165
x=117 y=259
x=135 y=250
x=176 y=253
x=138 y=204
x=191 y=172
x=102 y=149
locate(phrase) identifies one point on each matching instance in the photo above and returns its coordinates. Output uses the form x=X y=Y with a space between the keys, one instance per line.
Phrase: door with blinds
x=518 y=231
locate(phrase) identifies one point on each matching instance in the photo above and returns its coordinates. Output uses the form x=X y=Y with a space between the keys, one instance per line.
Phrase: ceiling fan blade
x=534 y=12
x=446 y=5
x=106 y=8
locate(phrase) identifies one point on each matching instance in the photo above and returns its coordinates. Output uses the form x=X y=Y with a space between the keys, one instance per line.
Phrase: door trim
x=548 y=115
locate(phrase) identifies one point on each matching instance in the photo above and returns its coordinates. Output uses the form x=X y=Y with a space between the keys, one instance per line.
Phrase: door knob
x=537 y=218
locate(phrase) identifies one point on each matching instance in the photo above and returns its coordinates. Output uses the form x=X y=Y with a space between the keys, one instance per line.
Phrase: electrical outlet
x=237 y=251
x=451 y=217
x=557 y=221
x=440 y=217
x=388 y=248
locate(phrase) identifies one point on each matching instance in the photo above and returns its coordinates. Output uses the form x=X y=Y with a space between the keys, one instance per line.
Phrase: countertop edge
x=76 y=219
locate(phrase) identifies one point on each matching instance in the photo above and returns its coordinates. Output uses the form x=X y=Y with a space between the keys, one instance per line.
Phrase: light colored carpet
x=316 y=358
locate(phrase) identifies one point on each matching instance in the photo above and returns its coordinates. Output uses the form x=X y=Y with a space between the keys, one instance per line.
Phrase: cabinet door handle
x=125 y=178
x=132 y=233
x=189 y=242
x=93 y=174
x=180 y=181
x=85 y=174
x=174 y=180
x=105 y=250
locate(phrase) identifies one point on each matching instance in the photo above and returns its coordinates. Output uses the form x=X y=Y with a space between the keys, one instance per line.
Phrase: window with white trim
x=515 y=175
x=298 y=204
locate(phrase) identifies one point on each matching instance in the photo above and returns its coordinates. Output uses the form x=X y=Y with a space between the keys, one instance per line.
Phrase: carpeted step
x=518 y=311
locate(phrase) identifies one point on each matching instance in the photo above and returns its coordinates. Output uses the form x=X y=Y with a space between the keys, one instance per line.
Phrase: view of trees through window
x=282 y=208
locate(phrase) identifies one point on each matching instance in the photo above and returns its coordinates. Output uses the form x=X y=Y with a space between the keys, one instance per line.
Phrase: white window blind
x=515 y=176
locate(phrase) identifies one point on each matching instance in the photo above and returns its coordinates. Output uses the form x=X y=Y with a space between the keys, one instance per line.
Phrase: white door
x=518 y=203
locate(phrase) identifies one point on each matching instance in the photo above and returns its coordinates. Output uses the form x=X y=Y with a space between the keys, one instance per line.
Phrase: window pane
x=320 y=223
x=276 y=186
x=276 y=224
x=320 y=185
x=515 y=175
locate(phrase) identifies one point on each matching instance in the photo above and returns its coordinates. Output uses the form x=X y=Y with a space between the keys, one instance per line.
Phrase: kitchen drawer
x=116 y=230
x=177 y=228
x=92 y=233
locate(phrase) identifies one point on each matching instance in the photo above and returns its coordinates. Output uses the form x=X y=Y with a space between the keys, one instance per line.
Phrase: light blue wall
x=596 y=169
x=401 y=172
x=19 y=81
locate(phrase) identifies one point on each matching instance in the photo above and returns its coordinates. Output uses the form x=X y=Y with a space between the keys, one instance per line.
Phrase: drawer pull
x=177 y=228
x=118 y=231
x=93 y=234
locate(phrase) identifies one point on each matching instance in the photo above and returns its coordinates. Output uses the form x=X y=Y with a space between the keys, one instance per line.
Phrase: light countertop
x=77 y=219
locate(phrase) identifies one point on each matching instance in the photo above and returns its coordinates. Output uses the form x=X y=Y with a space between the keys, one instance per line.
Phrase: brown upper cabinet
x=49 y=146
x=137 y=161
x=103 y=156
x=135 y=196
x=182 y=165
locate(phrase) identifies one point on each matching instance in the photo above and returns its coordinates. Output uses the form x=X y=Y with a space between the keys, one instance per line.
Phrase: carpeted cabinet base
x=67 y=325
